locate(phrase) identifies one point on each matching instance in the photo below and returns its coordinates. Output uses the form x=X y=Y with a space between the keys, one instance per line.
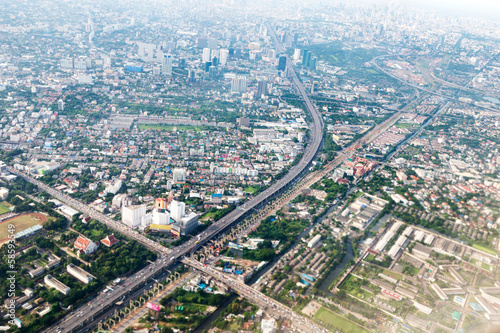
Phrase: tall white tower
x=167 y=64
x=177 y=210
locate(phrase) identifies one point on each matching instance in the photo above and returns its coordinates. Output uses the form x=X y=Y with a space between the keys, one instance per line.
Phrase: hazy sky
x=487 y=8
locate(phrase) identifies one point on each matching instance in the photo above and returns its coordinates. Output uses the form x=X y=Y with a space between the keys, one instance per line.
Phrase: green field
x=338 y=322
x=250 y=190
x=404 y=125
x=4 y=209
x=21 y=222
x=485 y=266
x=169 y=127
x=484 y=249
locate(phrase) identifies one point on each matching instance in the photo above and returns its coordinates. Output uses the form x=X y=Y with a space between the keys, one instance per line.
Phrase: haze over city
x=249 y=166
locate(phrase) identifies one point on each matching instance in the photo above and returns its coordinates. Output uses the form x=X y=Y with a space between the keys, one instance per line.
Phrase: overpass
x=211 y=232
x=273 y=307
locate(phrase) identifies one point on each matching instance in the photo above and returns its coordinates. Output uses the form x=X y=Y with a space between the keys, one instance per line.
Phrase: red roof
x=82 y=243
x=110 y=240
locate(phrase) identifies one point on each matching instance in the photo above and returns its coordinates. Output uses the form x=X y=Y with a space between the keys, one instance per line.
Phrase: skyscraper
x=261 y=88
x=223 y=55
x=305 y=57
x=167 y=64
x=177 y=210
x=282 y=63
x=296 y=55
x=206 y=54
x=239 y=84
x=212 y=72
x=60 y=105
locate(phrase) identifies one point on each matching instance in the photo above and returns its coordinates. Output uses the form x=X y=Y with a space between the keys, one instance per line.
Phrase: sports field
x=338 y=322
x=3 y=209
x=22 y=222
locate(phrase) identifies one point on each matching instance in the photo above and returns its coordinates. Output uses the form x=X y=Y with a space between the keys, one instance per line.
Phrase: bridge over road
x=271 y=306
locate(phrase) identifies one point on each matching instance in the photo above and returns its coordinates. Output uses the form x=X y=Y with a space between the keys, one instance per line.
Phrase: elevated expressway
x=168 y=257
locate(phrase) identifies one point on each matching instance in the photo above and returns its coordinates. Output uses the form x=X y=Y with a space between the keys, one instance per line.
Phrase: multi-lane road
x=275 y=308
x=167 y=257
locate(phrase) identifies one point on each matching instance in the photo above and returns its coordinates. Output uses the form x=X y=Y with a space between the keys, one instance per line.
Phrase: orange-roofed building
x=110 y=240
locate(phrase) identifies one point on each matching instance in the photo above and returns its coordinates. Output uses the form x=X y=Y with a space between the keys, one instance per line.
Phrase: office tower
x=202 y=43
x=207 y=66
x=177 y=210
x=60 y=105
x=132 y=215
x=67 y=63
x=305 y=57
x=223 y=55
x=182 y=63
x=214 y=54
x=282 y=63
x=161 y=203
x=312 y=63
x=178 y=175
x=206 y=54
x=212 y=43
x=191 y=76
x=261 y=88
x=295 y=38
x=271 y=54
x=237 y=53
x=212 y=72
x=231 y=52
x=239 y=84
x=296 y=55
x=215 y=61
x=166 y=65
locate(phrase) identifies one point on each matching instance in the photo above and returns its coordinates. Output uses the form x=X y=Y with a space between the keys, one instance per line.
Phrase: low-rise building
x=52 y=282
x=79 y=273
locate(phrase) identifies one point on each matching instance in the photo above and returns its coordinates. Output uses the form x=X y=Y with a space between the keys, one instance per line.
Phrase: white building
x=4 y=192
x=166 y=66
x=177 y=210
x=223 y=56
x=178 y=175
x=132 y=215
x=312 y=243
x=239 y=84
x=79 y=273
x=161 y=216
x=206 y=54
x=52 y=282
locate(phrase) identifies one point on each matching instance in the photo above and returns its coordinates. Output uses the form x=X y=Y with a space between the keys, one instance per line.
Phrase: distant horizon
x=489 y=9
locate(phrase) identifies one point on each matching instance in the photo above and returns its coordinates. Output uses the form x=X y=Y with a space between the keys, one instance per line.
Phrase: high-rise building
x=261 y=88
x=312 y=63
x=161 y=203
x=223 y=55
x=191 y=75
x=206 y=55
x=207 y=66
x=239 y=84
x=182 y=63
x=166 y=65
x=132 y=215
x=60 y=105
x=282 y=63
x=67 y=63
x=179 y=175
x=296 y=55
x=212 y=72
x=177 y=210
x=305 y=57
x=212 y=43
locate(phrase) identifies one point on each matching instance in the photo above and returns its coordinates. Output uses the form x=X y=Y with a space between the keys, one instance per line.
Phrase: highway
x=273 y=307
x=168 y=257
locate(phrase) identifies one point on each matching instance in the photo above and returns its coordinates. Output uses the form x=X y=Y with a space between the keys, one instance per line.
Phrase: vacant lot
x=22 y=222
x=338 y=322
